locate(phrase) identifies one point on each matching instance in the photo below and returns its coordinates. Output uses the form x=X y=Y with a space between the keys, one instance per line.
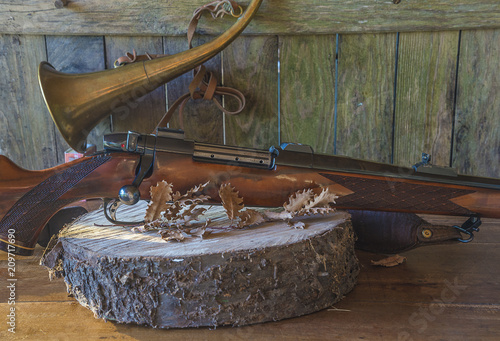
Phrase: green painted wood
x=144 y=113
x=27 y=133
x=71 y=54
x=425 y=97
x=477 y=123
x=202 y=120
x=366 y=96
x=308 y=91
x=251 y=66
x=152 y=17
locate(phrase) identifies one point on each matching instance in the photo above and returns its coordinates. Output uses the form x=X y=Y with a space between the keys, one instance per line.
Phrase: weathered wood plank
x=425 y=97
x=477 y=122
x=251 y=66
x=202 y=120
x=141 y=115
x=27 y=133
x=308 y=91
x=366 y=95
x=150 y=17
x=81 y=54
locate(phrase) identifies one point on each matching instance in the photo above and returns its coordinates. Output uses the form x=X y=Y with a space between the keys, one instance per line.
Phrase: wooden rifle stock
x=28 y=199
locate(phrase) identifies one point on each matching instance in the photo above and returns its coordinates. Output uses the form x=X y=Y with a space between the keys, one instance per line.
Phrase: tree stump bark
x=231 y=277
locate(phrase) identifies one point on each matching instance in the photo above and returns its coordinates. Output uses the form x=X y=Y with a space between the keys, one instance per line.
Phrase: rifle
x=132 y=162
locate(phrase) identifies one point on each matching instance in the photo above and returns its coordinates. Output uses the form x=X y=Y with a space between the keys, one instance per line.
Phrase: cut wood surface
x=410 y=301
x=148 y=17
x=230 y=277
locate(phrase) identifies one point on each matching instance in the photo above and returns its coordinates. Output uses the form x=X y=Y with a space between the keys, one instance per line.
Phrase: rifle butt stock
x=28 y=199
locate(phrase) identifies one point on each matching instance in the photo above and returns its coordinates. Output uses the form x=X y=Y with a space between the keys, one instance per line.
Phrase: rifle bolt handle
x=129 y=195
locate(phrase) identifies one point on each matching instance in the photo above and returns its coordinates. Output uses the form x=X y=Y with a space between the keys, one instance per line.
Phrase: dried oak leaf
x=231 y=202
x=184 y=204
x=192 y=193
x=172 y=235
x=272 y=215
x=201 y=231
x=390 y=261
x=321 y=200
x=189 y=215
x=160 y=194
x=318 y=210
x=250 y=217
x=298 y=200
x=297 y=224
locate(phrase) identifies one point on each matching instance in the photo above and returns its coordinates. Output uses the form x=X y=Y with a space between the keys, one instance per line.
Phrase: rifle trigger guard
x=111 y=206
x=471 y=225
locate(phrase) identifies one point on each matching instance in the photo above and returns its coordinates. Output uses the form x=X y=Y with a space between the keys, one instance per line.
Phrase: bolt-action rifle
x=132 y=162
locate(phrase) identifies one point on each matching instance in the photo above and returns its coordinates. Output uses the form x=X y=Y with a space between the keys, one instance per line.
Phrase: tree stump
x=232 y=277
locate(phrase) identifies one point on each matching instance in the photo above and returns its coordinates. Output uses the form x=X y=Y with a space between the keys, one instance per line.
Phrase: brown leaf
x=272 y=215
x=192 y=192
x=231 y=202
x=298 y=200
x=317 y=210
x=297 y=224
x=184 y=204
x=250 y=217
x=160 y=194
x=321 y=200
x=201 y=231
x=390 y=261
x=173 y=235
x=189 y=215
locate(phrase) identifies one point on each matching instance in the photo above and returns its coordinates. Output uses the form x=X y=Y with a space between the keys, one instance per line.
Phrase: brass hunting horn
x=77 y=102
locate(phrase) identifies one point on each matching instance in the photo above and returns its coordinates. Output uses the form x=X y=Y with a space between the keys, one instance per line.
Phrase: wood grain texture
x=251 y=66
x=202 y=120
x=27 y=133
x=365 y=96
x=308 y=91
x=72 y=54
x=143 y=114
x=477 y=123
x=425 y=97
x=150 y=17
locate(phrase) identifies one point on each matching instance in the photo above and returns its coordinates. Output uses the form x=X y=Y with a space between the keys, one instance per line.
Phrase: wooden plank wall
x=369 y=86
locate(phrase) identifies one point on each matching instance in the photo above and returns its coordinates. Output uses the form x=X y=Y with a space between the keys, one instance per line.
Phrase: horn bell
x=78 y=102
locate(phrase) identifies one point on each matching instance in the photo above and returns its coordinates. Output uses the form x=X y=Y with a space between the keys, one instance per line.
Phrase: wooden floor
x=447 y=292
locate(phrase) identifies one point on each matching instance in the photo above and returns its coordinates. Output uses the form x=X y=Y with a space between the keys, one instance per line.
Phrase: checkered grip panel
x=378 y=194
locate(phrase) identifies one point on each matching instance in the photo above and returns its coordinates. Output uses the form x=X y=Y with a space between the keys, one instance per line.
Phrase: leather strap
x=133 y=57
x=393 y=232
x=204 y=84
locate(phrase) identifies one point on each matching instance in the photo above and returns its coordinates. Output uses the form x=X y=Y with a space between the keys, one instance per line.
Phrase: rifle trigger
x=110 y=210
x=468 y=227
